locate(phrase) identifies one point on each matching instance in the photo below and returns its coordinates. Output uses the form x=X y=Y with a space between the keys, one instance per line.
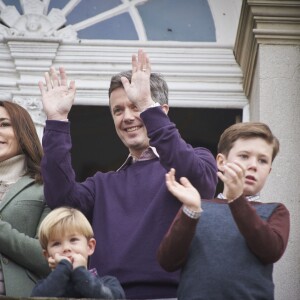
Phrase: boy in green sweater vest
x=226 y=247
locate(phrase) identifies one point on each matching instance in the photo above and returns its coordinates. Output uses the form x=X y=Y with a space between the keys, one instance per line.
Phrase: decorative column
x=268 y=51
x=31 y=59
x=30 y=44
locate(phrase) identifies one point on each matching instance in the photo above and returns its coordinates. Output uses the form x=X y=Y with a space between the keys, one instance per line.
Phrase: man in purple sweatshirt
x=130 y=209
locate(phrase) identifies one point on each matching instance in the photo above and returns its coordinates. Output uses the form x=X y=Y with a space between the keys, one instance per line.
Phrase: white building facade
x=247 y=58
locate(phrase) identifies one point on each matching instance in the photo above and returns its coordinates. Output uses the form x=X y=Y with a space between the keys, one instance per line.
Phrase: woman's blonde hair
x=64 y=220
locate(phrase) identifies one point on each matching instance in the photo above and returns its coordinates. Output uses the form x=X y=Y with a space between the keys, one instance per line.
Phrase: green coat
x=22 y=261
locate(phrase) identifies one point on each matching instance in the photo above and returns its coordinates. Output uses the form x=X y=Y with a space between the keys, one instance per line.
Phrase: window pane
x=178 y=20
x=171 y=20
x=86 y=9
x=15 y=3
x=116 y=28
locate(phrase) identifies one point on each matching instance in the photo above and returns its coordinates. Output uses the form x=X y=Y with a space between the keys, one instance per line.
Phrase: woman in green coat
x=22 y=205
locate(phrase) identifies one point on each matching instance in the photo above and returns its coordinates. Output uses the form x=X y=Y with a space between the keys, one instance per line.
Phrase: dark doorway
x=96 y=145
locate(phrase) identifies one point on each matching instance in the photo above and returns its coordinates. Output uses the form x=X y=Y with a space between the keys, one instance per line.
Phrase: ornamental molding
x=34 y=22
x=34 y=106
x=198 y=76
x=264 y=22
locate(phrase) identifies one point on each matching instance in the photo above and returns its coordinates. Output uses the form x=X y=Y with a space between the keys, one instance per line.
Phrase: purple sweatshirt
x=130 y=209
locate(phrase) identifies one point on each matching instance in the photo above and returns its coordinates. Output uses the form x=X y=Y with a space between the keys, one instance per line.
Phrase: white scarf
x=10 y=172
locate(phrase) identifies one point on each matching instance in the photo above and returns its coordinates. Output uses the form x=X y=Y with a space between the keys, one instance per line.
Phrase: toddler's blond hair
x=61 y=221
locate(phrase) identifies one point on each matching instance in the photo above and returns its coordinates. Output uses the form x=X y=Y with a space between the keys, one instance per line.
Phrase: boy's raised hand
x=183 y=191
x=233 y=177
x=57 y=95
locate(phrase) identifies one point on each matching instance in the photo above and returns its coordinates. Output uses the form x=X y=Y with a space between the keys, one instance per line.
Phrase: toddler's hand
x=53 y=261
x=79 y=261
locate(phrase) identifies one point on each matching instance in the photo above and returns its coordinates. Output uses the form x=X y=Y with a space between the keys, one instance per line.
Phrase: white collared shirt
x=147 y=154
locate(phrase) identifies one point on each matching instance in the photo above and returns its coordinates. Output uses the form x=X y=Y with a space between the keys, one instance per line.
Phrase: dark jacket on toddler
x=63 y=281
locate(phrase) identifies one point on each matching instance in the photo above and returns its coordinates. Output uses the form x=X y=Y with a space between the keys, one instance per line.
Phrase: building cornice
x=198 y=75
x=264 y=22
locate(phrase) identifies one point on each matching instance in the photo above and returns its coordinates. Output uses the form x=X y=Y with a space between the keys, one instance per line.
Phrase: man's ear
x=91 y=245
x=221 y=160
x=165 y=108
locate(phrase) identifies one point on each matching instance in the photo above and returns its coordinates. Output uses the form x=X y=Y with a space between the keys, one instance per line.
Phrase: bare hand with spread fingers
x=138 y=90
x=184 y=191
x=57 y=95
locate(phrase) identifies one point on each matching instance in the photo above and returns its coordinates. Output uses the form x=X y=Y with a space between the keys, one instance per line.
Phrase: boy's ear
x=45 y=253
x=91 y=245
x=221 y=160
